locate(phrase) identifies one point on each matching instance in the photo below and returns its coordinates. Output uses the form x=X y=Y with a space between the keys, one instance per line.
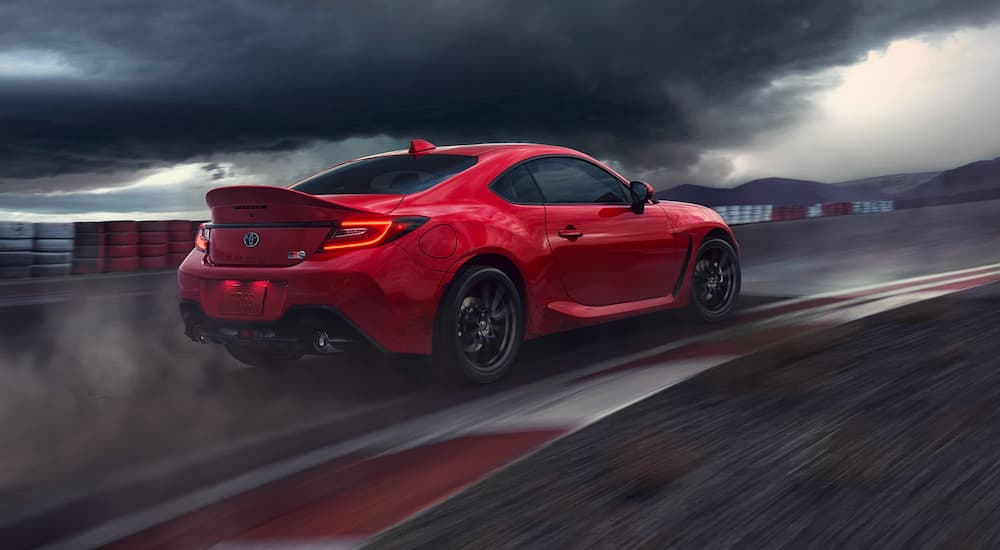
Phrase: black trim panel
x=684 y=266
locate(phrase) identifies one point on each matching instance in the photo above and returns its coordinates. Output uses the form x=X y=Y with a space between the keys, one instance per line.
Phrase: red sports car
x=459 y=253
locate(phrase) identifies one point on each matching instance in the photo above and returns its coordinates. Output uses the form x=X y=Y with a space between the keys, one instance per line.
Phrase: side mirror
x=641 y=192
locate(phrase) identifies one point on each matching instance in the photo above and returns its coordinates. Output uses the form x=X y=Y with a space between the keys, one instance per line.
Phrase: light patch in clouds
x=26 y=64
x=178 y=191
x=178 y=175
x=923 y=103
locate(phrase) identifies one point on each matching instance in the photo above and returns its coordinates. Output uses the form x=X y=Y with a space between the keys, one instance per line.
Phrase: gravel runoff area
x=884 y=433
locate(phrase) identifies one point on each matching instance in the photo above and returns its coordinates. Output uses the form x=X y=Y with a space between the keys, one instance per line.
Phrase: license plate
x=243 y=298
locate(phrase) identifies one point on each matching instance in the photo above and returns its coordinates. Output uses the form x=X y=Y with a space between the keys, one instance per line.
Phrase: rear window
x=392 y=175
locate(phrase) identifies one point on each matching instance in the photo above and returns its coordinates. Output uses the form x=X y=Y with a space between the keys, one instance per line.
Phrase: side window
x=518 y=187
x=574 y=181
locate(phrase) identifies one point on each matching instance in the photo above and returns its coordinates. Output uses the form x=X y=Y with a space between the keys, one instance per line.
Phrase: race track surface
x=108 y=408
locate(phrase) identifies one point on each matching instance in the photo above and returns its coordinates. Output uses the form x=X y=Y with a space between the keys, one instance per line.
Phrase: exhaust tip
x=323 y=343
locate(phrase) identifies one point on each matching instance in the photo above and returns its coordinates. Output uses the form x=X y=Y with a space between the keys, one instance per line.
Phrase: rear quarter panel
x=484 y=224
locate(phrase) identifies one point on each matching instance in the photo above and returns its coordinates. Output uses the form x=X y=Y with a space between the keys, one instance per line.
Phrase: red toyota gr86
x=460 y=253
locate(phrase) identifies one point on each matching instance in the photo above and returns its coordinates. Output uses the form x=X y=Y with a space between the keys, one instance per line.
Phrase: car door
x=605 y=253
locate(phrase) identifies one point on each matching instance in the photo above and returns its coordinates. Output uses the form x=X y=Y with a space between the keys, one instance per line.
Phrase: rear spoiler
x=268 y=203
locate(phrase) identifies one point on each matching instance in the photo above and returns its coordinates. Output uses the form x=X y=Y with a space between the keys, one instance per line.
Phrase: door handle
x=570 y=232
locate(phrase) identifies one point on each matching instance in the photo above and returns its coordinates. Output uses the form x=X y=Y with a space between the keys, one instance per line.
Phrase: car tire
x=715 y=281
x=464 y=352
x=262 y=357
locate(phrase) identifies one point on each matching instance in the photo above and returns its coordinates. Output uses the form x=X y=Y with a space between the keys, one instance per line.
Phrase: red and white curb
x=339 y=496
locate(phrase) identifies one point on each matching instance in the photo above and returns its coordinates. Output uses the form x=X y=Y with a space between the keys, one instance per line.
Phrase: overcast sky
x=134 y=109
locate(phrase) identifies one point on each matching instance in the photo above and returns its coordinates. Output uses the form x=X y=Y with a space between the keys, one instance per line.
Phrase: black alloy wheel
x=715 y=280
x=480 y=326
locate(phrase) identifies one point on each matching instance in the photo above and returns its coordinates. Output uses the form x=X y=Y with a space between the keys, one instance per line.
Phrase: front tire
x=479 y=327
x=262 y=357
x=715 y=280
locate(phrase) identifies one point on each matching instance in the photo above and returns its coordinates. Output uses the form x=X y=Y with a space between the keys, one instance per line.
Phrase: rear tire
x=715 y=281
x=262 y=357
x=479 y=327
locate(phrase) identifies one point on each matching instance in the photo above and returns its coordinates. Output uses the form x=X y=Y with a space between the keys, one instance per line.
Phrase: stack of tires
x=153 y=245
x=180 y=241
x=122 y=246
x=52 y=251
x=89 y=251
x=16 y=240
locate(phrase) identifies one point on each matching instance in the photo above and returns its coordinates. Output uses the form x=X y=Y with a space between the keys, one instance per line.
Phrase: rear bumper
x=295 y=331
x=380 y=295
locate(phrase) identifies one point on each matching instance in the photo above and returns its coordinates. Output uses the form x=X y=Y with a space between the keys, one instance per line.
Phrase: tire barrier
x=124 y=237
x=16 y=240
x=872 y=207
x=180 y=241
x=55 y=230
x=153 y=262
x=152 y=248
x=122 y=250
x=122 y=246
x=17 y=230
x=15 y=271
x=52 y=245
x=51 y=270
x=15 y=264
x=52 y=258
x=756 y=213
x=837 y=209
x=16 y=245
x=118 y=265
x=90 y=249
x=745 y=213
x=52 y=249
x=782 y=213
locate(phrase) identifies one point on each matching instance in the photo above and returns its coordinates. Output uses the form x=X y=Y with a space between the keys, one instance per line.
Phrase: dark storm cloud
x=647 y=84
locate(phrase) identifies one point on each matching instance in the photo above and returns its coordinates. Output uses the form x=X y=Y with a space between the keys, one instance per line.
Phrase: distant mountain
x=893 y=184
x=975 y=177
x=974 y=181
x=770 y=191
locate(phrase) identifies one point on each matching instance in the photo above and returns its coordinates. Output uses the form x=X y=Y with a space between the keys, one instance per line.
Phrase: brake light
x=201 y=240
x=362 y=233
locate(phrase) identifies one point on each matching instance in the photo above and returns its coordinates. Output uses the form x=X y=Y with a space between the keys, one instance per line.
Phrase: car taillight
x=201 y=240
x=361 y=233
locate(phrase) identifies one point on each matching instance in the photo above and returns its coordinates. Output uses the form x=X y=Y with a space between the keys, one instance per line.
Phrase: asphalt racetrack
x=106 y=407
